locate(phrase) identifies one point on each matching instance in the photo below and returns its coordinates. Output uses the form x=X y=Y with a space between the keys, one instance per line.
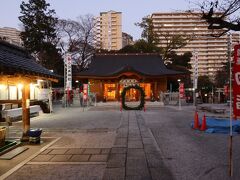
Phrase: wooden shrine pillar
x=102 y=91
x=155 y=90
x=117 y=92
x=25 y=111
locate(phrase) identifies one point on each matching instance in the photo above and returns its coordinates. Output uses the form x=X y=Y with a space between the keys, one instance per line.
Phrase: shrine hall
x=108 y=74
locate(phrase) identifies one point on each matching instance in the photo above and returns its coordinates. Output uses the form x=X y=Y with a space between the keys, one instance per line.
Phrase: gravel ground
x=187 y=154
x=190 y=154
x=65 y=172
x=75 y=118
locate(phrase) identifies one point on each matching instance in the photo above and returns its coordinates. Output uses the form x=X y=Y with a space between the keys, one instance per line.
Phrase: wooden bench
x=212 y=109
x=218 y=110
x=17 y=112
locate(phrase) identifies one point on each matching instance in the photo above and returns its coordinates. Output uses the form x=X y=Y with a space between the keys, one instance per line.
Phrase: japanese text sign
x=236 y=81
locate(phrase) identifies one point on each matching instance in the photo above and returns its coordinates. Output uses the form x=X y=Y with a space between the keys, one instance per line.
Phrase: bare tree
x=221 y=14
x=78 y=38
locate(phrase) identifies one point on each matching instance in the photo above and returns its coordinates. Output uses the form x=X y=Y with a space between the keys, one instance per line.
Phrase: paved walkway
x=135 y=154
x=130 y=152
x=100 y=149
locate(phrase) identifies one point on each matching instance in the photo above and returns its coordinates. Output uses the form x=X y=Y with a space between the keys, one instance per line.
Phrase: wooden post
x=102 y=89
x=117 y=91
x=25 y=111
x=155 y=90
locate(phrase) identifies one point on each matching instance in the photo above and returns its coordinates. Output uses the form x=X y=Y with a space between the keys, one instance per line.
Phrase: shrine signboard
x=236 y=81
x=181 y=90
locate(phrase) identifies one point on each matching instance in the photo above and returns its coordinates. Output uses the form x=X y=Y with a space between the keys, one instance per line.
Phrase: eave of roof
x=14 y=59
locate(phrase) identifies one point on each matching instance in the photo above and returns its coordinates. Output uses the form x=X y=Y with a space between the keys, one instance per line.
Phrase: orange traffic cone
x=204 y=124
x=196 y=121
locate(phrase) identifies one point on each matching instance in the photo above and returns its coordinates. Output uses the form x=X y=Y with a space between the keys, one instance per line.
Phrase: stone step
x=11 y=154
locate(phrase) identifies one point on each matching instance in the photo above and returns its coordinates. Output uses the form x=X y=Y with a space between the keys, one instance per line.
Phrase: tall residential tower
x=10 y=35
x=212 y=51
x=109 y=30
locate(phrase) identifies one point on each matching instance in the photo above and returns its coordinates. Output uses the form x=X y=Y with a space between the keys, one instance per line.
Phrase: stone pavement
x=130 y=152
x=135 y=154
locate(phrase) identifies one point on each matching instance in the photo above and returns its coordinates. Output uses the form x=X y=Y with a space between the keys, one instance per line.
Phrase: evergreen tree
x=153 y=37
x=148 y=30
x=222 y=75
x=141 y=46
x=39 y=30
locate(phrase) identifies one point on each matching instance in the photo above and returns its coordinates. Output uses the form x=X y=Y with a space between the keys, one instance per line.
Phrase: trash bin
x=35 y=136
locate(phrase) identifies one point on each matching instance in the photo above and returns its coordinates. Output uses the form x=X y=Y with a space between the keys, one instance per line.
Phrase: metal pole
x=230 y=112
x=195 y=77
x=212 y=94
x=95 y=100
x=179 y=98
x=180 y=107
x=170 y=92
x=64 y=65
x=194 y=97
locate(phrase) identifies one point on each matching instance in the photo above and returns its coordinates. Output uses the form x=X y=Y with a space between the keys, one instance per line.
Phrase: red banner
x=226 y=90
x=85 y=91
x=181 y=90
x=236 y=81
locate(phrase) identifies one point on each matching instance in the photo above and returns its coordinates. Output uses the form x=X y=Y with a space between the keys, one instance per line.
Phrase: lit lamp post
x=179 y=96
x=77 y=84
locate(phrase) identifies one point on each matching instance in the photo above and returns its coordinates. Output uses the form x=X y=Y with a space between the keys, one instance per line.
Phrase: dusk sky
x=132 y=10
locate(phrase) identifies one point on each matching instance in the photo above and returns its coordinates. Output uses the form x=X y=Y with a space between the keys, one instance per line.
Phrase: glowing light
x=2 y=86
x=32 y=86
x=20 y=86
x=39 y=81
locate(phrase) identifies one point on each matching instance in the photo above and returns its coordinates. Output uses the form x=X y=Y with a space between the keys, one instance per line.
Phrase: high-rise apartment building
x=127 y=39
x=212 y=51
x=109 y=30
x=11 y=35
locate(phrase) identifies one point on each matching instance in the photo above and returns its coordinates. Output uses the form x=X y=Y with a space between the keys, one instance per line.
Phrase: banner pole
x=230 y=112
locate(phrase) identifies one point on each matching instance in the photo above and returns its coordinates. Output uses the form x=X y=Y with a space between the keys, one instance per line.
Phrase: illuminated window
x=132 y=94
x=3 y=92
x=19 y=93
x=12 y=92
x=147 y=89
x=110 y=91
x=32 y=91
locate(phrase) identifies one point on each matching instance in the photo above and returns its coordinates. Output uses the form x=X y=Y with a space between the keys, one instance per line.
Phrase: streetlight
x=179 y=98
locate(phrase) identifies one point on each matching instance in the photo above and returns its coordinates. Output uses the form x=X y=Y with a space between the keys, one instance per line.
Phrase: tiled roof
x=106 y=65
x=18 y=60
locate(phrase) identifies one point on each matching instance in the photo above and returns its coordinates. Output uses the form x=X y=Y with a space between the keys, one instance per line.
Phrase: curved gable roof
x=19 y=61
x=106 y=65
